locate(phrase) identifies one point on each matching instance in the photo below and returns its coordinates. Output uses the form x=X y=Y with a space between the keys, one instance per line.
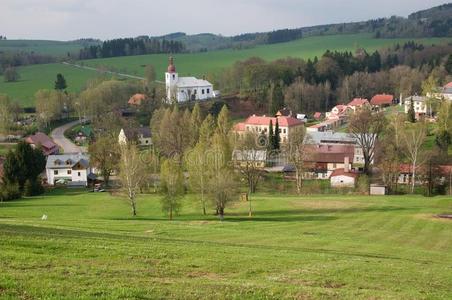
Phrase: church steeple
x=171 y=66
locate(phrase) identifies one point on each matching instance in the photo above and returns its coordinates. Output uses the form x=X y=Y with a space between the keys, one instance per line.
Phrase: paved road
x=108 y=72
x=67 y=145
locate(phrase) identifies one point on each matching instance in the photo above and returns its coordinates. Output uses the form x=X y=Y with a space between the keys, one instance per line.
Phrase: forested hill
x=433 y=22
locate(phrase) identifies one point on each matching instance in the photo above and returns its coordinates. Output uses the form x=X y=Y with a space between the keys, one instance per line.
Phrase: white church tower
x=171 y=79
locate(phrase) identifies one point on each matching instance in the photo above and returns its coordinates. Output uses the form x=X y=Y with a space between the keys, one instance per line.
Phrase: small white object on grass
x=44 y=217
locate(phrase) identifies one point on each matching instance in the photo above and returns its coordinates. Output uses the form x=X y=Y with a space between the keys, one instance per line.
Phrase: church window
x=208 y=91
x=202 y=91
x=174 y=76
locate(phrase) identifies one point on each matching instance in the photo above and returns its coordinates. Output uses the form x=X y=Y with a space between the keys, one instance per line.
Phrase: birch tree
x=296 y=154
x=172 y=185
x=131 y=173
x=413 y=138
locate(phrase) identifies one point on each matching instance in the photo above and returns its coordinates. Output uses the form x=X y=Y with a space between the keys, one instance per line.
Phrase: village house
x=421 y=107
x=256 y=158
x=261 y=124
x=343 y=178
x=358 y=103
x=444 y=92
x=382 y=100
x=337 y=138
x=71 y=169
x=184 y=89
x=137 y=100
x=322 y=160
x=443 y=173
x=140 y=136
x=339 y=110
x=42 y=141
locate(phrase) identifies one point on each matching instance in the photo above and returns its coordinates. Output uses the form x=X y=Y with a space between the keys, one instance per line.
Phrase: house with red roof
x=42 y=141
x=137 y=99
x=341 y=178
x=358 y=103
x=323 y=160
x=317 y=115
x=382 y=100
x=443 y=173
x=261 y=124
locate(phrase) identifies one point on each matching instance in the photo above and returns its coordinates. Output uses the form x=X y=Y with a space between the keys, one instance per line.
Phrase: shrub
x=33 y=188
x=9 y=192
x=362 y=186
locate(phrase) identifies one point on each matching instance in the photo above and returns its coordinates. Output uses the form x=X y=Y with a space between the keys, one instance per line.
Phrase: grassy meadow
x=195 y=64
x=330 y=246
x=45 y=47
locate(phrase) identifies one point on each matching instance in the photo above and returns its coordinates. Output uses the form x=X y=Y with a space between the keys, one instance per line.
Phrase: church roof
x=171 y=66
x=192 y=82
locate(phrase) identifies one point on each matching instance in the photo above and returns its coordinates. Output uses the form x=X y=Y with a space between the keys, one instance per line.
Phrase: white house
x=186 y=88
x=141 y=136
x=73 y=169
x=420 y=105
x=343 y=178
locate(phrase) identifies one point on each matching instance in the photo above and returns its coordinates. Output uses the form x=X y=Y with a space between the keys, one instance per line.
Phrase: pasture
x=325 y=246
x=190 y=64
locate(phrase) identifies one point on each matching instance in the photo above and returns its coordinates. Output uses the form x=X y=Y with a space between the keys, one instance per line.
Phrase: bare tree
x=297 y=155
x=130 y=173
x=414 y=138
x=172 y=184
x=366 y=127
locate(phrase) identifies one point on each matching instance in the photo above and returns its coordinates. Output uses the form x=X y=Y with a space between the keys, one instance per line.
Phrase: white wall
x=342 y=181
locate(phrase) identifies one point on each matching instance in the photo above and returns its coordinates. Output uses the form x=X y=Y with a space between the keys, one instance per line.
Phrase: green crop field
x=329 y=247
x=196 y=64
x=41 y=46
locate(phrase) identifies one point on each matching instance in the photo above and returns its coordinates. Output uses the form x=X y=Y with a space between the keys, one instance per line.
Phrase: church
x=186 y=88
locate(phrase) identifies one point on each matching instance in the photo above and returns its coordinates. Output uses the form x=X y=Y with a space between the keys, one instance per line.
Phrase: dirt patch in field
x=438 y=217
x=327 y=204
x=207 y=275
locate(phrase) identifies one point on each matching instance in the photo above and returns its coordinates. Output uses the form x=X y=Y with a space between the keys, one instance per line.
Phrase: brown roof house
x=41 y=140
x=343 y=177
x=141 y=136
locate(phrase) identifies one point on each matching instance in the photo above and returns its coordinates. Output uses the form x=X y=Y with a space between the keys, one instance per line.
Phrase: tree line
x=336 y=77
x=131 y=46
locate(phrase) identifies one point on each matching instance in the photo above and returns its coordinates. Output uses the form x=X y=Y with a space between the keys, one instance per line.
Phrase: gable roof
x=137 y=99
x=282 y=121
x=358 y=102
x=133 y=133
x=382 y=99
x=341 y=172
x=41 y=139
x=64 y=161
x=184 y=82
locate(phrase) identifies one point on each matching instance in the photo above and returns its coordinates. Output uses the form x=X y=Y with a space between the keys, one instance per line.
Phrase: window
x=284 y=130
x=208 y=91
x=174 y=76
x=55 y=172
x=202 y=91
x=69 y=172
x=79 y=174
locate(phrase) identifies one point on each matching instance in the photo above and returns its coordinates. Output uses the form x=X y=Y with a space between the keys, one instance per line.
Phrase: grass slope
x=41 y=46
x=196 y=64
x=294 y=247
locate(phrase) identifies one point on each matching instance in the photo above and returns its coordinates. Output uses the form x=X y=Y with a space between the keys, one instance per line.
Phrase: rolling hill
x=56 y=48
x=196 y=64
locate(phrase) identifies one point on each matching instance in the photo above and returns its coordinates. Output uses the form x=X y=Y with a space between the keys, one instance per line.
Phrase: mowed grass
x=36 y=77
x=294 y=247
x=193 y=64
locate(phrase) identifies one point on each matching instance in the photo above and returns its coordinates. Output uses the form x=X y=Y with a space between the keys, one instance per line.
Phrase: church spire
x=171 y=67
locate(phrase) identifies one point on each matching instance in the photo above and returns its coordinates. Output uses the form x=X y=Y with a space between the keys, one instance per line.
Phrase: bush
x=33 y=188
x=9 y=192
x=362 y=186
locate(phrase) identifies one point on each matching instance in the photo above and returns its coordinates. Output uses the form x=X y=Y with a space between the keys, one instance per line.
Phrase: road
x=108 y=72
x=67 y=145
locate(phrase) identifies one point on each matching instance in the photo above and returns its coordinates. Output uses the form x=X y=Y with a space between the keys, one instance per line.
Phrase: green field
x=329 y=247
x=41 y=46
x=196 y=64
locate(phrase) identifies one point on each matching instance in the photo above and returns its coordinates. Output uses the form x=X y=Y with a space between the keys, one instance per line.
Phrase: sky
x=107 y=19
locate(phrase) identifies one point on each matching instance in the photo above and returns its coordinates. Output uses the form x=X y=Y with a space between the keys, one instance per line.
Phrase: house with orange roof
x=137 y=99
x=382 y=100
x=358 y=103
x=261 y=125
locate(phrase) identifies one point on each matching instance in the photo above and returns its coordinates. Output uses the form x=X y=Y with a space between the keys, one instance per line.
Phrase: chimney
x=346 y=163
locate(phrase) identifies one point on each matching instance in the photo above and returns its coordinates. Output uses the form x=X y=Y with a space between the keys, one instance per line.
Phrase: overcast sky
x=106 y=19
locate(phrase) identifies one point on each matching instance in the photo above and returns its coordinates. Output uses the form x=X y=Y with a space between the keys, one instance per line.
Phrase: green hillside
x=197 y=64
x=58 y=48
x=316 y=247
